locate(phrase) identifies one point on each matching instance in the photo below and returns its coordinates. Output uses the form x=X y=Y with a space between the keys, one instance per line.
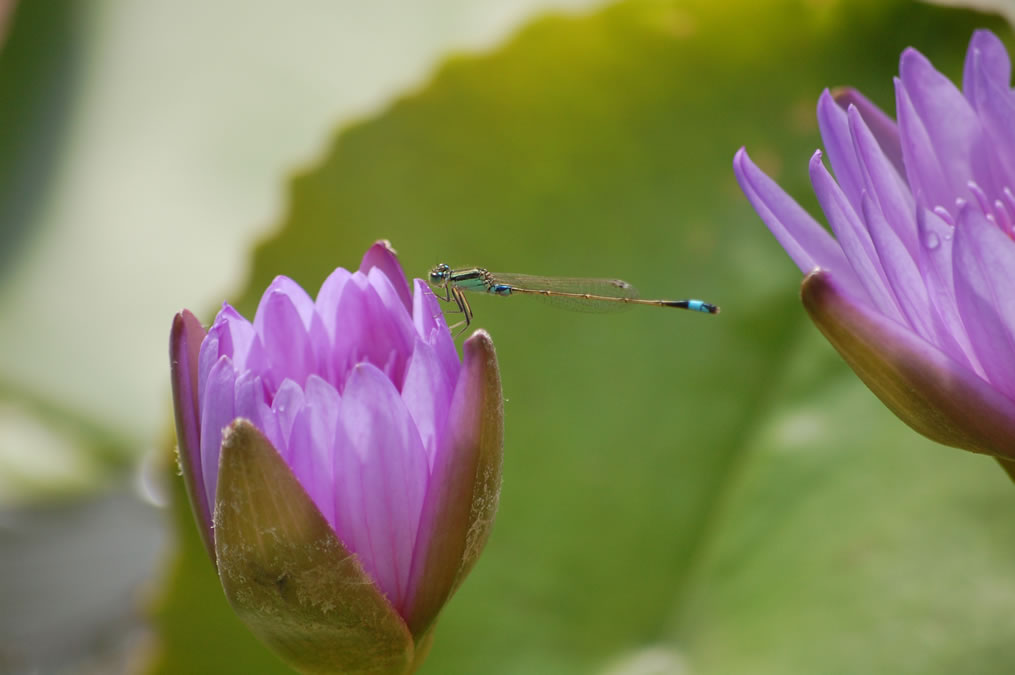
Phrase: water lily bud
x=342 y=463
x=913 y=285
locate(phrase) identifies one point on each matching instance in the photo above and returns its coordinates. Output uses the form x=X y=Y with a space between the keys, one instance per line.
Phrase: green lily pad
x=717 y=489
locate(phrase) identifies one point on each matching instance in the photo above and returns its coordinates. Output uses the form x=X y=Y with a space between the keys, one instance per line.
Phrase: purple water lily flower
x=915 y=288
x=343 y=464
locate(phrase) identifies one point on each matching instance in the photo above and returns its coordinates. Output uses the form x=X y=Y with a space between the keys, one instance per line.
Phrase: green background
x=682 y=492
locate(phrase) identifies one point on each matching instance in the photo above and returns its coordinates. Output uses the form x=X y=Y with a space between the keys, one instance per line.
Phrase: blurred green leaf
x=49 y=453
x=718 y=488
x=38 y=67
x=140 y=149
x=47 y=450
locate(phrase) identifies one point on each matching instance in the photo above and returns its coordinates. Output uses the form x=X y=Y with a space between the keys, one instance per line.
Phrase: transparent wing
x=564 y=292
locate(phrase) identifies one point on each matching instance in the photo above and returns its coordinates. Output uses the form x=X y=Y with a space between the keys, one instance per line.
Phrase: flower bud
x=342 y=463
x=913 y=285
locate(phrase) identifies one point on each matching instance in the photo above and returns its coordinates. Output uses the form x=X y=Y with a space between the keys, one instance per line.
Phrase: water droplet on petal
x=948 y=235
x=931 y=240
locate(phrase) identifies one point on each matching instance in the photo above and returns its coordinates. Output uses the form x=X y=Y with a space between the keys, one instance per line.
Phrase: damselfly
x=580 y=294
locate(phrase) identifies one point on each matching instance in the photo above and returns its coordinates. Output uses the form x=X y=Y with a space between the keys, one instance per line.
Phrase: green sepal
x=935 y=395
x=288 y=576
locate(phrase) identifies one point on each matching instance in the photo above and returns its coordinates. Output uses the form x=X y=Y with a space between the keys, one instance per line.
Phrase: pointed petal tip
x=382 y=255
x=984 y=37
x=819 y=175
x=827 y=110
x=240 y=440
x=741 y=165
x=842 y=95
x=480 y=335
x=278 y=281
x=379 y=253
x=386 y=245
x=185 y=338
x=479 y=349
x=184 y=320
x=910 y=58
x=178 y=319
x=240 y=433
x=827 y=98
x=815 y=286
x=900 y=95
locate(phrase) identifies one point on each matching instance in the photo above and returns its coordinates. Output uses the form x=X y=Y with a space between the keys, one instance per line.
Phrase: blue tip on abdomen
x=699 y=306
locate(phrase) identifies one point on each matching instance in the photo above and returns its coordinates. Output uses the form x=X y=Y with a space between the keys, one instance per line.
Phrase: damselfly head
x=440 y=274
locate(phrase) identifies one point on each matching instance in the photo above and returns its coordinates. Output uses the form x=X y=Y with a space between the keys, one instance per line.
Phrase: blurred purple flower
x=339 y=436
x=915 y=288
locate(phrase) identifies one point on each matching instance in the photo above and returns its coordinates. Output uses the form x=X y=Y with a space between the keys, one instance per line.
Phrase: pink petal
x=286 y=406
x=939 y=129
x=387 y=293
x=838 y=142
x=427 y=395
x=233 y=336
x=923 y=167
x=298 y=298
x=313 y=450
x=217 y=413
x=309 y=454
x=312 y=321
x=368 y=332
x=238 y=338
x=381 y=479
x=267 y=423
x=428 y=318
x=984 y=259
x=382 y=256
x=995 y=106
x=884 y=128
x=283 y=332
x=884 y=185
x=806 y=242
x=852 y=235
x=323 y=401
x=935 y=261
x=986 y=54
x=208 y=356
x=250 y=397
x=328 y=298
x=903 y=275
